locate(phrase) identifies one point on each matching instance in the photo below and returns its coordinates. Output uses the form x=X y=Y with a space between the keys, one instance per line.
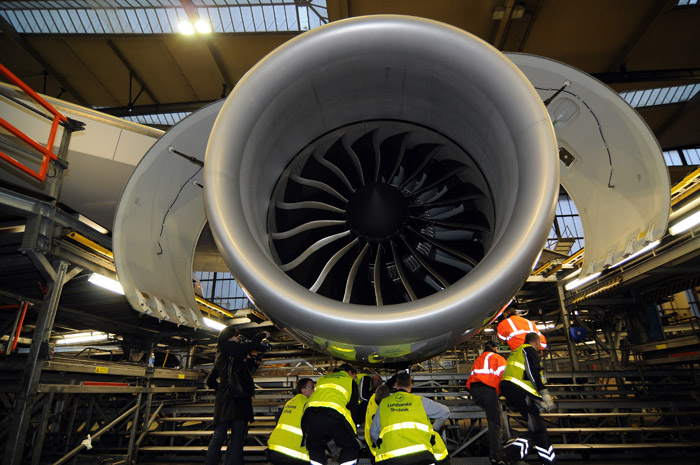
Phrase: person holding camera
x=232 y=379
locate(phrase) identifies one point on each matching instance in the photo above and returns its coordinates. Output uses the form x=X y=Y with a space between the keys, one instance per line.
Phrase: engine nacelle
x=381 y=187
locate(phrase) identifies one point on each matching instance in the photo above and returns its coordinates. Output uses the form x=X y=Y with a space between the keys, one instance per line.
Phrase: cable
x=600 y=129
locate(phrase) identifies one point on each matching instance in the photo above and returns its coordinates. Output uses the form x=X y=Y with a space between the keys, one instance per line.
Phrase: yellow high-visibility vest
x=515 y=371
x=287 y=436
x=406 y=429
x=334 y=391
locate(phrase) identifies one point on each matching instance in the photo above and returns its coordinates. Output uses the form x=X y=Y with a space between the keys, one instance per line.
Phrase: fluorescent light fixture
x=240 y=321
x=546 y=325
x=92 y=224
x=213 y=324
x=186 y=28
x=580 y=282
x=202 y=26
x=488 y=330
x=575 y=273
x=685 y=224
x=79 y=338
x=638 y=253
x=107 y=283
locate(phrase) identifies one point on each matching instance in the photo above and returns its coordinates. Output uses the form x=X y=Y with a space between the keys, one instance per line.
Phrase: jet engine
x=382 y=186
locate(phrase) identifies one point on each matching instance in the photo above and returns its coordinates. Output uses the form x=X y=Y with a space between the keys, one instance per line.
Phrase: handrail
x=46 y=152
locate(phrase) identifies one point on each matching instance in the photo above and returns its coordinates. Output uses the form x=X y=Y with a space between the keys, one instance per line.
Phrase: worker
x=367 y=385
x=401 y=427
x=380 y=394
x=329 y=414
x=513 y=328
x=285 y=442
x=232 y=379
x=483 y=385
x=524 y=389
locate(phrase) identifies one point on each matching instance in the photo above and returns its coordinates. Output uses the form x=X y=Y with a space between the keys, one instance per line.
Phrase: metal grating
x=161 y=16
x=660 y=95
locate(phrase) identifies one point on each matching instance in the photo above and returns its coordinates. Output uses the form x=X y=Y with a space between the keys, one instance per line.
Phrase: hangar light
x=107 y=283
x=79 y=338
x=581 y=281
x=213 y=324
x=685 y=224
x=638 y=253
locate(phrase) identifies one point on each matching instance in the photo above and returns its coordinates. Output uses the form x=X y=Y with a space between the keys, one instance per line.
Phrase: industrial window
x=159 y=119
x=686 y=2
x=680 y=157
x=567 y=225
x=161 y=16
x=223 y=290
x=692 y=298
x=660 y=95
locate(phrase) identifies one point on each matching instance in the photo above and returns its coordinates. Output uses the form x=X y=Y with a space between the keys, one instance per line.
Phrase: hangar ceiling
x=629 y=44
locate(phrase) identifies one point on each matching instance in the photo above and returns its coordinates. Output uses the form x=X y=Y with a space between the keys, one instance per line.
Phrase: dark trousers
x=485 y=397
x=320 y=428
x=234 y=450
x=529 y=409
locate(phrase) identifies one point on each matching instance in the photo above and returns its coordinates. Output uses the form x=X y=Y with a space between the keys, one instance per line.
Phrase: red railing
x=46 y=152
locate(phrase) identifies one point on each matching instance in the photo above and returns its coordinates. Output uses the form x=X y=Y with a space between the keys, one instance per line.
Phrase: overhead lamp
x=685 y=224
x=581 y=281
x=92 y=224
x=202 y=26
x=107 y=283
x=186 y=27
x=79 y=338
x=546 y=325
x=213 y=324
x=638 y=253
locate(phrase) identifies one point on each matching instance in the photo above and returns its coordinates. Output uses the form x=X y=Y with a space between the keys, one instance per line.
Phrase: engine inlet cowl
x=382 y=186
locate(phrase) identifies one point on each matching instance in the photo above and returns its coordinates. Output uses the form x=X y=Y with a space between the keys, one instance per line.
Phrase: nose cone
x=377 y=211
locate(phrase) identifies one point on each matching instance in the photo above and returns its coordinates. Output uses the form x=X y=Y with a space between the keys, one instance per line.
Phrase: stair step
x=251 y=432
x=618 y=429
x=196 y=448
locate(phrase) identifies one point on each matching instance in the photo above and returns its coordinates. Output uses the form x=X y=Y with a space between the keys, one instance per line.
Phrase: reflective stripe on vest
x=403 y=451
x=290 y=452
x=515 y=371
x=404 y=425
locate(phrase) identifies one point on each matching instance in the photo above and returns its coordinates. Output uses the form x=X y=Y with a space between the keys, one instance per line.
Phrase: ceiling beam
x=500 y=36
x=655 y=75
x=677 y=115
x=649 y=20
x=176 y=107
x=132 y=72
x=15 y=37
x=225 y=76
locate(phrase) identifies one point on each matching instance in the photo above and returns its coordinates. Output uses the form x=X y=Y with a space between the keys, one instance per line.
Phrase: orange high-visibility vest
x=488 y=368
x=513 y=330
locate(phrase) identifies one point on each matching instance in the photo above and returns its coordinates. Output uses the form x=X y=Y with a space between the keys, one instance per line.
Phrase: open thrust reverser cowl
x=382 y=186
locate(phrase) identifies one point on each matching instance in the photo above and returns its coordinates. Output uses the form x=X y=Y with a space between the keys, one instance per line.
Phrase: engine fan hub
x=377 y=211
